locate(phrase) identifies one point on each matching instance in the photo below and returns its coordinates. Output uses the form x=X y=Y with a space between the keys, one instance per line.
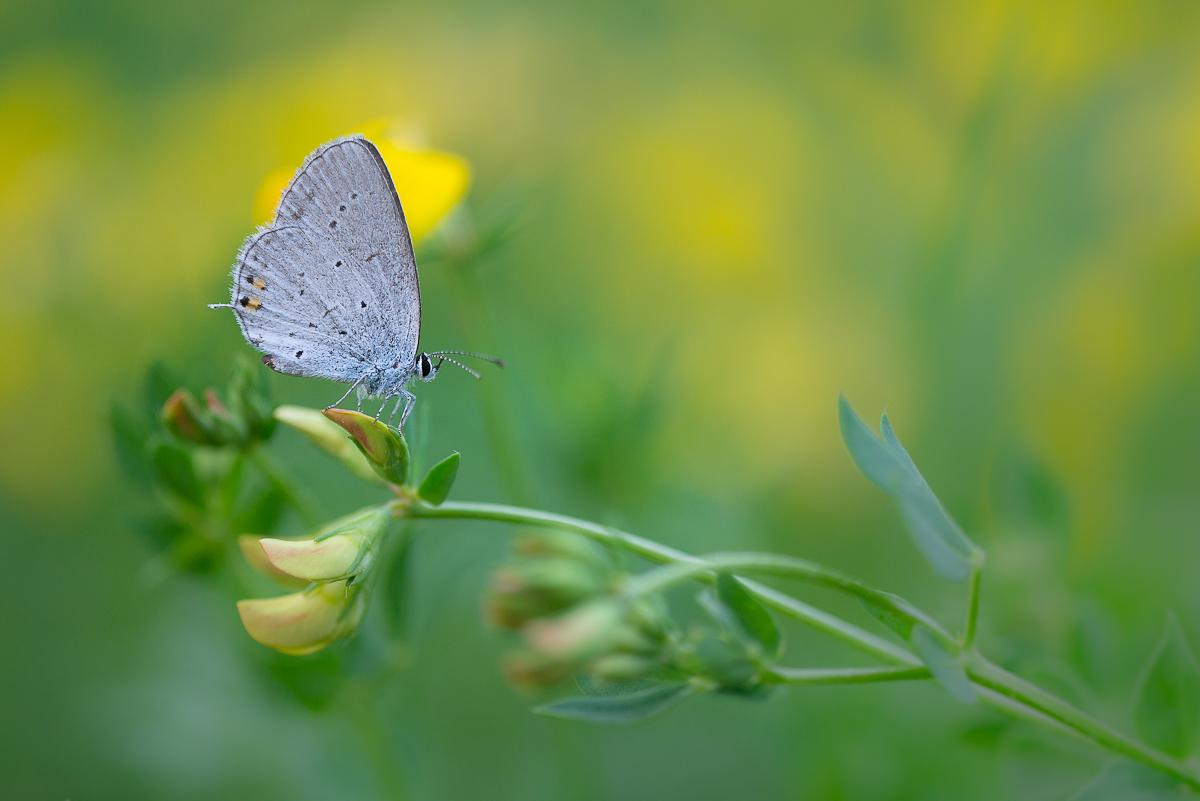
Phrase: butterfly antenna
x=492 y=359
x=460 y=364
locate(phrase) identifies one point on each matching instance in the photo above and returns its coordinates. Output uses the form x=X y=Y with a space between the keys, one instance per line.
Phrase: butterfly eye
x=426 y=367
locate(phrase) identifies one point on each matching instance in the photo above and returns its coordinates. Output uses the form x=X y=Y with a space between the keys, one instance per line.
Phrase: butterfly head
x=426 y=369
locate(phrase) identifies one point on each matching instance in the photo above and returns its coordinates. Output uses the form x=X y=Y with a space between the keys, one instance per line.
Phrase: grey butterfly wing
x=330 y=289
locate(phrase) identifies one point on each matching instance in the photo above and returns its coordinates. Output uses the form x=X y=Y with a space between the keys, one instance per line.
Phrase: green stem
x=996 y=678
x=661 y=554
x=998 y=688
x=800 y=676
x=785 y=567
x=968 y=640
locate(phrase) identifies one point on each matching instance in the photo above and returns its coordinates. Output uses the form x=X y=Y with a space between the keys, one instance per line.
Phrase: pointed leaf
x=887 y=464
x=947 y=668
x=900 y=616
x=754 y=621
x=1168 y=708
x=876 y=461
x=440 y=479
x=387 y=453
x=618 y=709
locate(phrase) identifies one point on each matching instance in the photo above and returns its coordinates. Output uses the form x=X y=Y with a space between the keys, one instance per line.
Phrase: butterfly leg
x=396 y=408
x=409 y=400
x=353 y=387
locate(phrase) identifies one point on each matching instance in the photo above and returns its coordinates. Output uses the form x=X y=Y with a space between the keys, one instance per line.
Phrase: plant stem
x=968 y=640
x=996 y=678
x=798 y=676
x=662 y=554
x=787 y=567
x=998 y=688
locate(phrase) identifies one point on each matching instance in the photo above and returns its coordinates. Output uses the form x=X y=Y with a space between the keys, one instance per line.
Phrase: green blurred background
x=984 y=216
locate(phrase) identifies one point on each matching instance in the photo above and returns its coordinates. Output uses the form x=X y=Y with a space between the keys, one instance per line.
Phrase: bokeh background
x=984 y=216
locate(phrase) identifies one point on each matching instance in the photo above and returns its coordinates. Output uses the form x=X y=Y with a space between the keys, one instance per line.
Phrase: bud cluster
x=561 y=593
x=567 y=600
x=194 y=454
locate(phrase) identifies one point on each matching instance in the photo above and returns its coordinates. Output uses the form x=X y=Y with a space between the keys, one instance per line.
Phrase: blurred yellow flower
x=429 y=182
x=303 y=622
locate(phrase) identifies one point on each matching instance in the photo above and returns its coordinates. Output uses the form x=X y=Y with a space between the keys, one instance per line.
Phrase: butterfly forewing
x=330 y=289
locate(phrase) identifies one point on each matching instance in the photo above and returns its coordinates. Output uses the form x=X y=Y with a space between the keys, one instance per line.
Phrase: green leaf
x=387 y=453
x=887 y=464
x=175 y=470
x=753 y=620
x=618 y=709
x=877 y=462
x=947 y=668
x=440 y=479
x=1168 y=707
x=1129 y=781
x=898 y=615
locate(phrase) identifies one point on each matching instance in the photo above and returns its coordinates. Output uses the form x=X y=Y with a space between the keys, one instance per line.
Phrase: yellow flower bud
x=303 y=622
x=343 y=549
x=257 y=559
x=580 y=632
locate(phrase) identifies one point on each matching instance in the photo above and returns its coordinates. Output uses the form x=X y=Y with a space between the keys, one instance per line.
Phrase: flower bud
x=303 y=622
x=534 y=588
x=257 y=559
x=529 y=670
x=342 y=550
x=623 y=667
x=187 y=419
x=585 y=630
x=386 y=452
x=329 y=437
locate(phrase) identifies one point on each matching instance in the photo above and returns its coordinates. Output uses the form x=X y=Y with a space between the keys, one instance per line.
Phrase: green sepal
x=439 y=480
x=387 y=453
x=1168 y=707
x=621 y=708
x=754 y=621
x=947 y=668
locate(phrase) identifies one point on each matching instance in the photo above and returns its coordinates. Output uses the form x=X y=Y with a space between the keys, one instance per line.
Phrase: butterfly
x=329 y=288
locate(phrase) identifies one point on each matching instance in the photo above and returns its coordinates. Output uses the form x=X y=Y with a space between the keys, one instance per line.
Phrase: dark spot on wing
x=364 y=303
x=301 y=293
x=333 y=223
x=342 y=207
x=339 y=264
x=343 y=333
x=299 y=353
x=312 y=325
x=245 y=301
x=354 y=196
x=269 y=361
x=249 y=279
